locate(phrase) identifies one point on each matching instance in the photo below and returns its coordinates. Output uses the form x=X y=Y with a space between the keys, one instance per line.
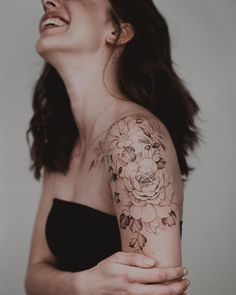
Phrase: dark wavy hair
x=145 y=75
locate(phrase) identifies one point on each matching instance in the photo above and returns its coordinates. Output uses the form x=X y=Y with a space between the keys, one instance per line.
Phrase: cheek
x=87 y=28
x=88 y=36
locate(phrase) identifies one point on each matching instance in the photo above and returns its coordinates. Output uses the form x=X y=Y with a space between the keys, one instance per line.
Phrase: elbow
x=29 y=280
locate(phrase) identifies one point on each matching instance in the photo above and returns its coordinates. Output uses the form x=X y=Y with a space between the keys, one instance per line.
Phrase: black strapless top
x=81 y=247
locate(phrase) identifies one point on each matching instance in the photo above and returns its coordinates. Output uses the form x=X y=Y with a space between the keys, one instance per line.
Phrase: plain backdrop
x=203 y=36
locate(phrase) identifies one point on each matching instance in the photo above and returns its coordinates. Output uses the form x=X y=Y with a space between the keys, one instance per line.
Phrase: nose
x=47 y=4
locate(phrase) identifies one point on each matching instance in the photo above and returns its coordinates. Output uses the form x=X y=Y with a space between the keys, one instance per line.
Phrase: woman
x=112 y=126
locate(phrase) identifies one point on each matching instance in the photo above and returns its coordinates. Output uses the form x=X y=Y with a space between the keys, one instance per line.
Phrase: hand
x=128 y=273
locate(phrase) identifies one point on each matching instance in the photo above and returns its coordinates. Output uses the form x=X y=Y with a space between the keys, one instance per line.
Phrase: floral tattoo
x=100 y=157
x=134 y=148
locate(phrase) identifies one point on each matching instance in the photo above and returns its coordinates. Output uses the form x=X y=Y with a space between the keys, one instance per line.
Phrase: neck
x=90 y=99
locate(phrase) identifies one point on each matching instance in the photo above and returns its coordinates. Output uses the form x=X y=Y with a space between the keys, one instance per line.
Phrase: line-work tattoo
x=140 y=182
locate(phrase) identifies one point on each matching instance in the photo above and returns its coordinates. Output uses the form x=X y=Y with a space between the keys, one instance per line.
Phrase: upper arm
x=145 y=186
x=39 y=251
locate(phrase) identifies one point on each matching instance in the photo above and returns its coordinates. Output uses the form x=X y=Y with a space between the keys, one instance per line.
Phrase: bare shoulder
x=141 y=117
x=140 y=132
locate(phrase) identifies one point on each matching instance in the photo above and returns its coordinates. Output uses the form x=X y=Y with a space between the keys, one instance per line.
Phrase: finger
x=133 y=259
x=154 y=275
x=173 y=289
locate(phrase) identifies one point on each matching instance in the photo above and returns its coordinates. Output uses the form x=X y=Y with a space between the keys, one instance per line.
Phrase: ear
x=127 y=33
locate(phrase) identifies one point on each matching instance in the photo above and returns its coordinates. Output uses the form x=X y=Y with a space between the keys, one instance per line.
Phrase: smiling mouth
x=52 y=23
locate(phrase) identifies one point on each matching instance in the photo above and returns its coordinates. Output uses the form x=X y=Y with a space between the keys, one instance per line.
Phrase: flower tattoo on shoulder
x=140 y=182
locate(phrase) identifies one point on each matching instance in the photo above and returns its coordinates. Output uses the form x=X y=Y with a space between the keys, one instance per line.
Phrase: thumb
x=134 y=259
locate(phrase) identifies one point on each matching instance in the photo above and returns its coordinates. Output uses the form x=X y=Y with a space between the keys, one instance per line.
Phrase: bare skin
x=79 y=52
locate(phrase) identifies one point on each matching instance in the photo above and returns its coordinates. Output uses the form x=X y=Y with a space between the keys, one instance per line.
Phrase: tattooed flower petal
x=132 y=242
x=151 y=228
x=127 y=221
x=155 y=201
x=123 y=193
x=168 y=194
x=115 y=132
x=123 y=221
x=156 y=222
x=173 y=207
x=162 y=211
x=136 y=226
x=146 y=213
x=125 y=200
x=155 y=155
x=170 y=220
x=130 y=169
x=137 y=201
x=127 y=155
x=142 y=240
x=136 y=211
x=161 y=164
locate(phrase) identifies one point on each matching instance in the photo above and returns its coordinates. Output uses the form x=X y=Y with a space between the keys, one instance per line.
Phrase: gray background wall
x=204 y=46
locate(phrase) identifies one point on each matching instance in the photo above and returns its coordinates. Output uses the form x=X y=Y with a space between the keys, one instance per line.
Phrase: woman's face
x=86 y=29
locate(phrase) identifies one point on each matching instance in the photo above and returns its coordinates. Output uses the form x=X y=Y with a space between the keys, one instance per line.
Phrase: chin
x=51 y=41
x=51 y=50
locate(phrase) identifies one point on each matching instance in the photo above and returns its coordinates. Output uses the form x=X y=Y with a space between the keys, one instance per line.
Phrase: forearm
x=45 y=279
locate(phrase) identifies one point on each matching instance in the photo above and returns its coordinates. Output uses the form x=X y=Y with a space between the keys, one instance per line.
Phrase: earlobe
x=112 y=37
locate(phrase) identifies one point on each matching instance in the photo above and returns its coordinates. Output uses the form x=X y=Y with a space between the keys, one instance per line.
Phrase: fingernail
x=149 y=261
x=187 y=282
x=185 y=271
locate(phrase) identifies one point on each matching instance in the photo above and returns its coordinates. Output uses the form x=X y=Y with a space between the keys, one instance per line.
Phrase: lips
x=51 y=15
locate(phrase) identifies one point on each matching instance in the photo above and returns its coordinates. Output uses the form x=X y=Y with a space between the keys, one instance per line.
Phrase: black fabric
x=80 y=236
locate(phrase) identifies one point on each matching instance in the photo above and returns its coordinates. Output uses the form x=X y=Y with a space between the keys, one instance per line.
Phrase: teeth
x=54 y=21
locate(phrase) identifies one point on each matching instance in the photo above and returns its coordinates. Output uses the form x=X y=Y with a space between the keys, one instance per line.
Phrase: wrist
x=79 y=283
